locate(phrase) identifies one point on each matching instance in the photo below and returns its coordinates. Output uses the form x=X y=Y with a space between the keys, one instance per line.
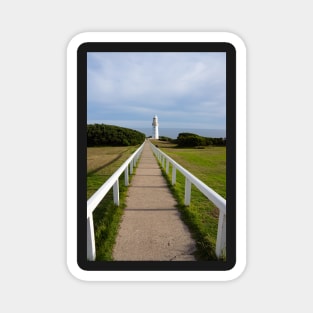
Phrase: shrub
x=110 y=135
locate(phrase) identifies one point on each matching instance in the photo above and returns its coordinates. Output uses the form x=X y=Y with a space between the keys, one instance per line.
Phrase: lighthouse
x=155 y=125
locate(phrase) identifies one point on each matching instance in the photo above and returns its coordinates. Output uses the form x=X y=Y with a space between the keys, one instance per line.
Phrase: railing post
x=131 y=166
x=187 y=191
x=167 y=166
x=173 y=175
x=136 y=159
x=221 y=235
x=91 y=247
x=126 y=176
x=116 y=193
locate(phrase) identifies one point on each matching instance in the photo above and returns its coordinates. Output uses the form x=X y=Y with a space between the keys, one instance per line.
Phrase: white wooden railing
x=126 y=168
x=219 y=201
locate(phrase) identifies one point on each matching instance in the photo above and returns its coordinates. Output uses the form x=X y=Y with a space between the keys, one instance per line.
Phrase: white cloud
x=137 y=85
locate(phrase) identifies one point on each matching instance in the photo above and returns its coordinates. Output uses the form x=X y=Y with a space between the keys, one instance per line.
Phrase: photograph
x=156 y=156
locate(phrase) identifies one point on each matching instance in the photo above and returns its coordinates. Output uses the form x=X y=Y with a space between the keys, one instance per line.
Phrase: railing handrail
x=212 y=195
x=96 y=198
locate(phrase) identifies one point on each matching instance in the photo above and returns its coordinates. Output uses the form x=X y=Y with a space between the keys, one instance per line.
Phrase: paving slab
x=151 y=228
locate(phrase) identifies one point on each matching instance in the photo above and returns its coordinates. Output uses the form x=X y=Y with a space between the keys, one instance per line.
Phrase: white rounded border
x=240 y=265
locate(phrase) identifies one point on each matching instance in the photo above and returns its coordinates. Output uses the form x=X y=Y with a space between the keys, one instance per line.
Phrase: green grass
x=102 y=162
x=106 y=222
x=201 y=216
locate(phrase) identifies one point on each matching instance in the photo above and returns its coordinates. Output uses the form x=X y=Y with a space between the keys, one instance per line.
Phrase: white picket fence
x=126 y=168
x=219 y=201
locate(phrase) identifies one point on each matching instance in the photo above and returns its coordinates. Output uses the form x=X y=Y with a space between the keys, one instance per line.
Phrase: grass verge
x=107 y=215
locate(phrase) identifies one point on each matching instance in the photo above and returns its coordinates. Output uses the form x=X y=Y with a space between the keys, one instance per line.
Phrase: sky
x=185 y=90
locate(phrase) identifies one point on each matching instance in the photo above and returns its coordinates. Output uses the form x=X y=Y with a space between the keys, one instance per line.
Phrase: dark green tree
x=111 y=135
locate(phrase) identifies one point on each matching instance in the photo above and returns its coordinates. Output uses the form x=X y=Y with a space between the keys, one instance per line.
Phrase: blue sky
x=185 y=90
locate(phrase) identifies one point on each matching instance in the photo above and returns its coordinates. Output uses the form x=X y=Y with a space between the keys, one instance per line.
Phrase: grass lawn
x=209 y=165
x=102 y=162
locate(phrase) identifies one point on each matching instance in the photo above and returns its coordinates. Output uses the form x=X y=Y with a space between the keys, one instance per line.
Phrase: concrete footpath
x=151 y=228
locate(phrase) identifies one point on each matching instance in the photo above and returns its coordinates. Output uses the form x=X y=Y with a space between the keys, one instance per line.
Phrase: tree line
x=194 y=140
x=110 y=135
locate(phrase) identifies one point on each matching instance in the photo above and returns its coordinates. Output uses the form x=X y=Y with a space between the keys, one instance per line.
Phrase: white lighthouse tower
x=155 y=125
